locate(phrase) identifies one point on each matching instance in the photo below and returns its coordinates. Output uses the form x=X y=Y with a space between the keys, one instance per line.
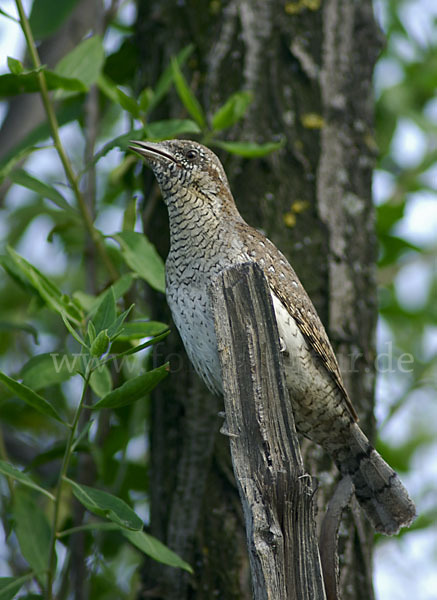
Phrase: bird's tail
x=377 y=487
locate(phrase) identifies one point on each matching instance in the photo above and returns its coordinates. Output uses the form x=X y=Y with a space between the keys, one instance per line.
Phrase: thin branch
x=65 y=464
x=328 y=539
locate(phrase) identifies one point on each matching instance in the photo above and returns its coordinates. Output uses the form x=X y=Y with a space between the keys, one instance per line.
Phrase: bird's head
x=182 y=166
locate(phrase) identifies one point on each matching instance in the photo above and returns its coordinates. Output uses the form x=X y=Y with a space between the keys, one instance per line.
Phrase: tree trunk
x=309 y=66
x=276 y=493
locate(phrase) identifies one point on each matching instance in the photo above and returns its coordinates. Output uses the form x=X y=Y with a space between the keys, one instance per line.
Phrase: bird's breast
x=192 y=314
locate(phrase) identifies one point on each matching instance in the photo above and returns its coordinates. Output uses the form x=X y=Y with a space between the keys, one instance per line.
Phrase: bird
x=208 y=235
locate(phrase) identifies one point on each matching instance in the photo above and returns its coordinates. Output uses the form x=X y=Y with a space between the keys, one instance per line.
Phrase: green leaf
x=80 y=443
x=47 y=369
x=23 y=478
x=108 y=87
x=20 y=327
x=392 y=248
x=130 y=215
x=10 y=586
x=84 y=62
x=101 y=381
x=156 y=549
x=33 y=532
x=86 y=301
x=134 y=389
x=122 y=285
x=388 y=215
x=47 y=16
x=106 y=323
x=91 y=332
x=73 y=331
x=162 y=130
x=92 y=526
x=106 y=312
x=142 y=258
x=136 y=330
x=30 y=397
x=128 y=103
x=101 y=344
x=16 y=274
x=232 y=111
x=135 y=349
x=106 y=505
x=145 y=98
x=122 y=64
x=165 y=80
x=249 y=149
x=121 y=141
x=15 y=66
x=21 y=177
x=46 y=288
x=7 y=165
x=90 y=303
x=118 y=325
x=27 y=82
x=8 y=16
x=187 y=97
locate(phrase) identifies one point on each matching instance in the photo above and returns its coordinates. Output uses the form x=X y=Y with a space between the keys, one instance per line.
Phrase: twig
x=329 y=536
x=63 y=472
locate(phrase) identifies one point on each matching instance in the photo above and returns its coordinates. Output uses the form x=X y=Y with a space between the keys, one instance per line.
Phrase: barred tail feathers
x=377 y=487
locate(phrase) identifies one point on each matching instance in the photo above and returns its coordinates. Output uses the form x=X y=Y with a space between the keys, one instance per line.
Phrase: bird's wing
x=285 y=284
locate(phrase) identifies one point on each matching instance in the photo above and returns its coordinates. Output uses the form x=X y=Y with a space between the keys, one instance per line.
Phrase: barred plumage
x=208 y=234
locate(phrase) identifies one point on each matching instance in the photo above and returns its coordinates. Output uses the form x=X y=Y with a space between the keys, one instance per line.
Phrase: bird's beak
x=151 y=150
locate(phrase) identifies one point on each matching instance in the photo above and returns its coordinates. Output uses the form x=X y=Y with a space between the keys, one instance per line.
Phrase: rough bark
x=276 y=493
x=309 y=66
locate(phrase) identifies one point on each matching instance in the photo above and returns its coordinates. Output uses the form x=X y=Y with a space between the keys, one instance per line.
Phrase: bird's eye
x=191 y=154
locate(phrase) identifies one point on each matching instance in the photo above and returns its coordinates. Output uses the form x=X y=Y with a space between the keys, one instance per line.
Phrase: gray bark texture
x=309 y=66
x=275 y=491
